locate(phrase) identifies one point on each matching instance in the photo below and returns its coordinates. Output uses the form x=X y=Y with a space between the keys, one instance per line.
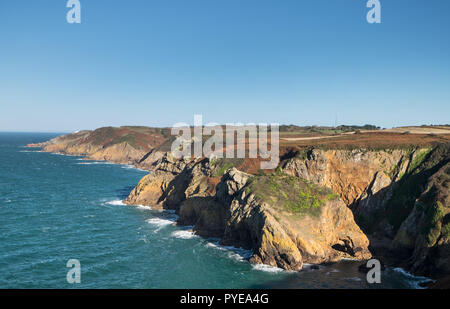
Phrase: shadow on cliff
x=381 y=215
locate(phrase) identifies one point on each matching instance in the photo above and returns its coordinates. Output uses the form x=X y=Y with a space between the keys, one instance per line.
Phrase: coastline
x=243 y=254
x=85 y=157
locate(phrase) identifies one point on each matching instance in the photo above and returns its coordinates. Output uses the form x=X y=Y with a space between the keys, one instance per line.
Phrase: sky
x=160 y=62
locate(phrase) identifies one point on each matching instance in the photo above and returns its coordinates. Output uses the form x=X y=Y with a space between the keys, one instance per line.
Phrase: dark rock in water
x=315 y=267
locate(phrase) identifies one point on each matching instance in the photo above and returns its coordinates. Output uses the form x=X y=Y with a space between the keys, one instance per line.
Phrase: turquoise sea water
x=54 y=208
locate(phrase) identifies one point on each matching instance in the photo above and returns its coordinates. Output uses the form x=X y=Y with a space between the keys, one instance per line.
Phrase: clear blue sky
x=155 y=63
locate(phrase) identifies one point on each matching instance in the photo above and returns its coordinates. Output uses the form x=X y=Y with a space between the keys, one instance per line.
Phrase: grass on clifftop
x=295 y=195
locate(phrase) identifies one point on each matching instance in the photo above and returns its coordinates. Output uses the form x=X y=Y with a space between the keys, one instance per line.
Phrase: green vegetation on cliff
x=419 y=159
x=413 y=184
x=292 y=194
x=446 y=230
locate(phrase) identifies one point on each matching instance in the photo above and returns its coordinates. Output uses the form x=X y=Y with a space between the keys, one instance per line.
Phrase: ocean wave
x=215 y=246
x=267 y=268
x=238 y=254
x=94 y=162
x=414 y=281
x=160 y=221
x=116 y=203
x=62 y=154
x=186 y=234
x=143 y=207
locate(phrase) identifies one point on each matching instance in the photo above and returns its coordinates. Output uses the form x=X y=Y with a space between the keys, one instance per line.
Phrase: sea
x=57 y=208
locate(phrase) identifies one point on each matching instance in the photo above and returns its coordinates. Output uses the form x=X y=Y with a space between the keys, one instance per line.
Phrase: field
x=383 y=139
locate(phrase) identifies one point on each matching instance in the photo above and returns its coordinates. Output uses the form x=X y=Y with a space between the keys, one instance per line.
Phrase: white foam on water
x=115 y=203
x=215 y=246
x=414 y=281
x=267 y=268
x=62 y=154
x=143 y=207
x=94 y=162
x=238 y=254
x=184 y=234
x=160 y=221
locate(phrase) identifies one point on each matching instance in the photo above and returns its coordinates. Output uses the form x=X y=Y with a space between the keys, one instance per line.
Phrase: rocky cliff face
x=419 y=210
x=353 y=174
x=285 y=236
x=399 y=198
x=232 y=208
x=170 y=183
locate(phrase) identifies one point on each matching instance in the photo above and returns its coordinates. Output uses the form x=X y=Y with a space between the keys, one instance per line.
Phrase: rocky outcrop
x=172 y=182
x=232 y=210
x=283 y=239
x=150 y=160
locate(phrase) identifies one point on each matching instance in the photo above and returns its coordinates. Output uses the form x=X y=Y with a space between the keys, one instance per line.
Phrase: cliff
x=284 y=220
x=349 y=196
x=399 y=198
x=124 y=145
x=318 y=206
